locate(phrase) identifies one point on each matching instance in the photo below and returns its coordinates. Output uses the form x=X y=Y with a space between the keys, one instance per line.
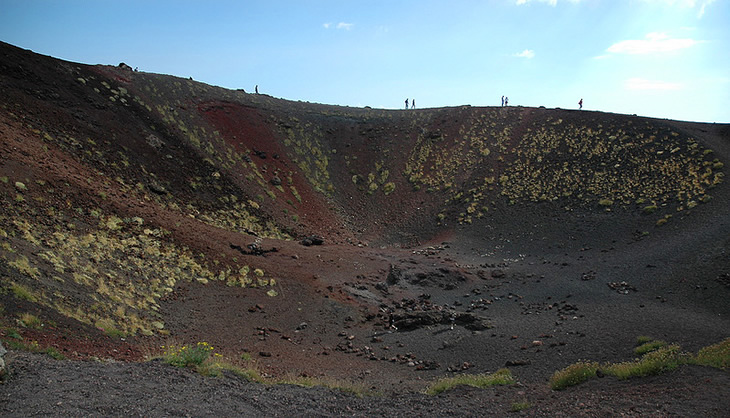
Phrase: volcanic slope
x=139 y=209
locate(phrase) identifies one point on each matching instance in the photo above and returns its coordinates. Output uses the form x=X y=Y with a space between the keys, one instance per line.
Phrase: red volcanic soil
x=396 y=296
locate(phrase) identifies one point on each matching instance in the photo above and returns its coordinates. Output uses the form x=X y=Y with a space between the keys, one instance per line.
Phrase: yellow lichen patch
x=118 y=273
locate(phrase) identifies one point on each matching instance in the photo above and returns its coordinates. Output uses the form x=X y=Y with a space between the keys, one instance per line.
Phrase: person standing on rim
x=406 y=104
x=580 y=104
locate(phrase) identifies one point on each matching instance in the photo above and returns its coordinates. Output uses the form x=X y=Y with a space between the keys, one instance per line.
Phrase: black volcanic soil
x=539 y=287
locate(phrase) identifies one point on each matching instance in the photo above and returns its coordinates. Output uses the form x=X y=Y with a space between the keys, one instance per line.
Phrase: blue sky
x=659 y=58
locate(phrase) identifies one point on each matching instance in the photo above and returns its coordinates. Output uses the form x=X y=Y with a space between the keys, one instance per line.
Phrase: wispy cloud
x=704 y=5
x=700 y=5
x=655 y=42
x=341 y=25
x=528 y=53
x=644 y=84
x=550 y=2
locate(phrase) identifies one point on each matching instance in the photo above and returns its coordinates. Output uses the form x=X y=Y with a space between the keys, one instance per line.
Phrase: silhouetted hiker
x=506 y=101
x=580 y=104
x=413 y=104
x=257 y=89
x=406 y=104
x=502 y=100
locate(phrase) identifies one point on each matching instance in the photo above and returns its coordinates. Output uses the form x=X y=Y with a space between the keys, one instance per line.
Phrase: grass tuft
x=214 y=367
x=109 y=328
x=643 y=339
x=658 y=358
x=500 y=377
x=187 y=355
x=22 y=292
x=33 y=347
x=520 y=406
x=654 y=362
x=574 y=374
x=649 y=346
x=716 y=355
x=28 y=320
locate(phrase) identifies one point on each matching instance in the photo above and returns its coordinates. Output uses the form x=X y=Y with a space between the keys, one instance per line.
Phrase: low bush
x=187 y=356
x=643 y=339
x=33 y=347
x=573 y=375
x=716 y=355
x=500 y=377
x=657 y=358
x=649 y=346
x=655 y=362
x=21 y=292
x=519 y=406
x=216 y=366
x=649 y=209
x=28 y=320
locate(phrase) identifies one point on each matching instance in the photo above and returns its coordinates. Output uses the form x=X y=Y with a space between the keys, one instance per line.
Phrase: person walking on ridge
x=413 y=104
x=502 y=101
x=580 y=104
x=406 y=104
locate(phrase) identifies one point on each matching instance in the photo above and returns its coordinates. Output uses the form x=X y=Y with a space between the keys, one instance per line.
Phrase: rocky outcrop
x=442 y=277
x=408 y=321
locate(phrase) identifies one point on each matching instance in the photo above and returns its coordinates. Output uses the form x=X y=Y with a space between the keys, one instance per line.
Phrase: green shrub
x=658 y=358
x=28 y=320
x=109 y=328
x=21 y=292
x=655 y=362
x=215 y=368
x=643 y=339
x=649 y=209
x=187 y=356
x=649 y=346
x=33 y=347
x=519 y=406
x=13 y=333
x=573 y=375
x=500 y=377
x=716 y=355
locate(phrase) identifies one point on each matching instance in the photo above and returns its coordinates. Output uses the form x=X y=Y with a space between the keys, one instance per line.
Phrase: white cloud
x=644 y=84
x=341 y=25
x=528 y=53
x=654 y=42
